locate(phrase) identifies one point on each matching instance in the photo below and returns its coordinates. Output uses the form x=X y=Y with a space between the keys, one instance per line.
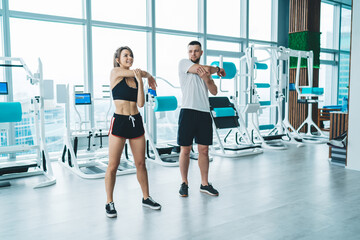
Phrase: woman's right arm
x=120 y=72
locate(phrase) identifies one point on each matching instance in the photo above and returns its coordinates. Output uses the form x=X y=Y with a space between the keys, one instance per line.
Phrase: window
x=260 y=19
x=223 y=46
x=60 y=48
x=129 y=12
x=329 y=83
x=179 y=15
x=227 y=85
x=167 y=64
x=335 y=26
x=167 y=67
x=66 y=8
x=327 y=56
x=223 y=18
x=327 y=26
x=63 y=47
x=344 y=65
x=345 y=29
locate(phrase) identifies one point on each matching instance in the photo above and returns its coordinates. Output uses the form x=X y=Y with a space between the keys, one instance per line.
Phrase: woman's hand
x=138 y=76
x=152 y=83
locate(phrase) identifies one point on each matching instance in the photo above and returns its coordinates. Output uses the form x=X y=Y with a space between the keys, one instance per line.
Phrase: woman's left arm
x=140 y=96
x=151 y=81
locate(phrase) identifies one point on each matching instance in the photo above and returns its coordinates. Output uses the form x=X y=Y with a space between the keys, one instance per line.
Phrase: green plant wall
x=305 y=41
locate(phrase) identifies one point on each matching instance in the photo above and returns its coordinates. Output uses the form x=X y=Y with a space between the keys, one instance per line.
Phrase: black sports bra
x=122 y=91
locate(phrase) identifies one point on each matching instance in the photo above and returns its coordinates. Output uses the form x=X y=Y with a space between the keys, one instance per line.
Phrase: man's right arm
x=194 y=68
x=211 y=69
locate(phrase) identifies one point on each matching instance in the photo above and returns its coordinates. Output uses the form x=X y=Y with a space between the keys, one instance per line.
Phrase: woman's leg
x=138 y=150
x=116 y=146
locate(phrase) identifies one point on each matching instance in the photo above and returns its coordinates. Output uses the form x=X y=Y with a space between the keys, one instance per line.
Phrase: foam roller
x=261 y=66
x=10 y=112
x=165 y=103
x=229 y=67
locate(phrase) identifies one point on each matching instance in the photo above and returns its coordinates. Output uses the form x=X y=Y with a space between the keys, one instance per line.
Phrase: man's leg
x=204 y=138
x=184 y=162
x=203 y=162
x=185 y=139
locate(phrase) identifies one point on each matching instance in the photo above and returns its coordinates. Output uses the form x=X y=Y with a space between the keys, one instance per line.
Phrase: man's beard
x=196 y=61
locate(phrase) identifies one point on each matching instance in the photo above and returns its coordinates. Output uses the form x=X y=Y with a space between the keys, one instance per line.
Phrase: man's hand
x=221 y=73
x=152 y=83
x=203 y=74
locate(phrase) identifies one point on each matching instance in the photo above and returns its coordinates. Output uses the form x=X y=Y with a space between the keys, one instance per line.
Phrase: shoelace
x=151 y=200
x=112 y=206
x=132 y=119
x=209 y=186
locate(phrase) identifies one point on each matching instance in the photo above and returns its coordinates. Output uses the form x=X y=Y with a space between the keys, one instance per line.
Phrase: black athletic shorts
x=194 y=124
x=127 y=126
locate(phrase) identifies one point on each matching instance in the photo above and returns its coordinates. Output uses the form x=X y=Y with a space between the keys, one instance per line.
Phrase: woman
x=128 y=94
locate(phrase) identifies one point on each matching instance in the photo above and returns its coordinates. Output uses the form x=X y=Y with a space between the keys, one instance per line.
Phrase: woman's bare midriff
x=124 y=107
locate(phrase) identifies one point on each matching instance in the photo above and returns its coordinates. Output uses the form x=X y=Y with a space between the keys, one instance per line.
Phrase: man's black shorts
x=194 y=124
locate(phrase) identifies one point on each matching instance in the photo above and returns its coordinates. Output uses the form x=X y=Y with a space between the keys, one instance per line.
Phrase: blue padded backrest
x=229 y=67
x=165 y=103
x=261 y=66
x=266 y=127
x=10 y=112
x=265 y=103
x=312 y=90
x=262 y=85
x=224 y=112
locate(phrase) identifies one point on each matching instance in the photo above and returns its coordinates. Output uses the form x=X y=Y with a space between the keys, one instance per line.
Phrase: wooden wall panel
x=304 y=15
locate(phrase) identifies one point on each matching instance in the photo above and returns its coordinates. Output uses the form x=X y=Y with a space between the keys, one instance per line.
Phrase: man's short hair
x=195 y=43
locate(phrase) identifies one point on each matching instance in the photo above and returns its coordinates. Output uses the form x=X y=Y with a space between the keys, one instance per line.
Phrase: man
x=195 y=120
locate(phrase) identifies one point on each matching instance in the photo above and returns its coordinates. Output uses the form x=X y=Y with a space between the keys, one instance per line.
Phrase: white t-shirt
x=195 y=93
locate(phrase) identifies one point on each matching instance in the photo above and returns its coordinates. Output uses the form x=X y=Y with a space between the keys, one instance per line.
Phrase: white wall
x=353 y=156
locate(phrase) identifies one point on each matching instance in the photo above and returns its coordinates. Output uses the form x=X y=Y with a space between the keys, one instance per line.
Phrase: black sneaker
x=209 y=190
x=336 y=144
x=184 y=190
x=110 y=210
x=150 y=203
x=341 y=137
